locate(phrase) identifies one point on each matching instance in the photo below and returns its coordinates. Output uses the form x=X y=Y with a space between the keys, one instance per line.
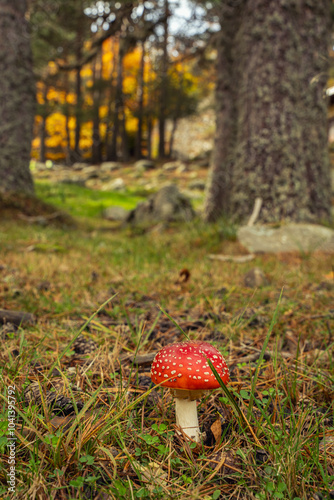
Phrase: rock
x=182 y=168
x=172 y=165
x=74 y=179
x=167 y=205
x=255 y=278
x=143 y=165
x=115 y=213
x=79 y=166
x=197 y=185
x=202 y=159
x=37 y=165
x=110 y=166
x=115 y=185
x=288 y=238
x=91 y=172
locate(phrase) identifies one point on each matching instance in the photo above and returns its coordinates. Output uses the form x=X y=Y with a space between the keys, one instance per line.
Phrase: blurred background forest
x=112 y=76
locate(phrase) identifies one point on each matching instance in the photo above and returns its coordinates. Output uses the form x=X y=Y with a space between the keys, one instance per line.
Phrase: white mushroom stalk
x=187 y=419
x=186 y=412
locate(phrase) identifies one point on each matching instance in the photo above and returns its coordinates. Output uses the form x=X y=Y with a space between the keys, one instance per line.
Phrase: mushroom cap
x=184 y=366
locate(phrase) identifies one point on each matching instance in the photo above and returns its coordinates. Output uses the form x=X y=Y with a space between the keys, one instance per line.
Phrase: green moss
x=81 y=201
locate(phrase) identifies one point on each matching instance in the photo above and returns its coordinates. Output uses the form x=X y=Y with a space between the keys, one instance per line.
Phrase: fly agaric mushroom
x=183 y=367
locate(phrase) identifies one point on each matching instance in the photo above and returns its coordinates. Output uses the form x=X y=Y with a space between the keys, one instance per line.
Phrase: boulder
x=74 y=179
x=110 y=166
x=167 y=205
x=143 y=165
x=115 y=213
x=173 y=165
x=196 y=184
x=91 y=172
x=288 y=238
x=79 y=166
x=115 y=185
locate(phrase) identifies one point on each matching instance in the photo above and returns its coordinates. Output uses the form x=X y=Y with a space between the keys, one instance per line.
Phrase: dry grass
x=118 y=437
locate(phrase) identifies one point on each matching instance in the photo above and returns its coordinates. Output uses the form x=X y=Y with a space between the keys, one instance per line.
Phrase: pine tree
x=17 y=102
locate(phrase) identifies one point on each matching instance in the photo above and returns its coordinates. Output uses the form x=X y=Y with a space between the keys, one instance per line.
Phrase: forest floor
x=89 y=424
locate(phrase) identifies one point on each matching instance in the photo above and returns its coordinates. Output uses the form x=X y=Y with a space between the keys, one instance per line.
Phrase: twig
x=232 y=258
x=256 y=212
x=39 y=218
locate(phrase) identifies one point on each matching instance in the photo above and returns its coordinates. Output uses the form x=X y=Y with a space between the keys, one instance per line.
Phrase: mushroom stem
x=186 y=418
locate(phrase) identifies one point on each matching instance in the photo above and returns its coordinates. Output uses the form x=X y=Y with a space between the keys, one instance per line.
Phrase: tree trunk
x=17 y=101
x=163 y=87
x=97 y=145
x=149 y=136
x=139 y=136
x=271 y=139
x=113 y=153
x=78 y=88
x=172 y=137
x=78 y=92
x=44 y=115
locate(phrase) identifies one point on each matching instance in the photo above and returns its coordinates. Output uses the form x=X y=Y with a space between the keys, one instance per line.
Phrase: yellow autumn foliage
x=61 y=94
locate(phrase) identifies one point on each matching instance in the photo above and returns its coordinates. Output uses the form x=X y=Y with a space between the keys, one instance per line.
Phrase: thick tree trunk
x=271 y=137
x=17 y=98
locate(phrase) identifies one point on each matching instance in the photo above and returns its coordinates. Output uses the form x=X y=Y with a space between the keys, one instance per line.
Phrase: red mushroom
x=183 y=367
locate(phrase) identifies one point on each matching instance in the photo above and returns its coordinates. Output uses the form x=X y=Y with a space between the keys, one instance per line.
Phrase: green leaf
x=78 y=482
x=244 y=394
x=87 y=458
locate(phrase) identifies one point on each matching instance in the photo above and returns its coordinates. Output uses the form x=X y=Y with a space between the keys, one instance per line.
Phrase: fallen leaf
x=152 y=474
x=216 y=429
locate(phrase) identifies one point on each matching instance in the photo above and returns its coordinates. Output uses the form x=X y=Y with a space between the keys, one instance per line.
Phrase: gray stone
x=74 y=179
x=115 y=213
x=167 y=205
x=115 y=185
x=79 y=166
x=143 y=165
x=91 y=172
x=110 y=166
x=197 y=184
x=172 y=165
x=202 y=159
x=288 y=238
x=255 y=278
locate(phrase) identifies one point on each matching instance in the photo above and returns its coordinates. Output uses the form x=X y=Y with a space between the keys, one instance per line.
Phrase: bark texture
x=17 y=98
x=271 y=139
